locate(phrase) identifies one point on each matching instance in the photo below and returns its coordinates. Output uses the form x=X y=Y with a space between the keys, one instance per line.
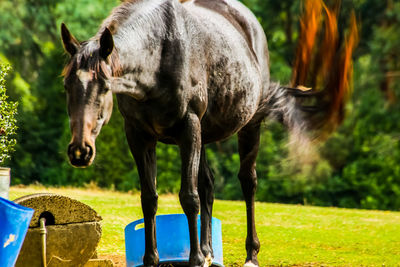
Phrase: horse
x=189 y=73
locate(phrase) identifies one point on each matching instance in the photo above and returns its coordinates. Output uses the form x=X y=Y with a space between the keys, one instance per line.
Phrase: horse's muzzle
x=80 y=155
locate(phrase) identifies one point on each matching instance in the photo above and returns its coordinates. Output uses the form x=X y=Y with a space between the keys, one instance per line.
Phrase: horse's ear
x=106 y=43
x=71 y=45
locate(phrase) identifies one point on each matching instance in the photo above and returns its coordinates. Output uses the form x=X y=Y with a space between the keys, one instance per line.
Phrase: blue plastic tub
x=14 y=223
x=172 y=240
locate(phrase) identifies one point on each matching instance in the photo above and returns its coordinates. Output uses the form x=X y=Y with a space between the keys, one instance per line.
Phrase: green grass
x=289 y=234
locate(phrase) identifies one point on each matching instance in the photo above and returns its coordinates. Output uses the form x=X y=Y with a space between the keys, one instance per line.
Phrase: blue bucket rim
x=14 y=205
x=165 y=215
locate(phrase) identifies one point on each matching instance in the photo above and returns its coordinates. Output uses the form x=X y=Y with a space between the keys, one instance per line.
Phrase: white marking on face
x=85 y=77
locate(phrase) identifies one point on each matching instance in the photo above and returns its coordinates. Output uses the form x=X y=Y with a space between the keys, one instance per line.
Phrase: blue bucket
x=14 y=223
x=173 y=241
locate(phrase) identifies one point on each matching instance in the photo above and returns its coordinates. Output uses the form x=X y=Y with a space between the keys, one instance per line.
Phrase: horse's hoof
x=208 y=261
x=197 y=260
x=250 y=264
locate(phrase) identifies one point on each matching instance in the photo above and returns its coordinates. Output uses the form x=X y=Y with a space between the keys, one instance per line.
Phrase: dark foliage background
x=358 y=167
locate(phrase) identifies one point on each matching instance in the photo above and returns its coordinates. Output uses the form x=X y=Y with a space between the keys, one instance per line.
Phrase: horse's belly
x=228 y=112
x=214 y=130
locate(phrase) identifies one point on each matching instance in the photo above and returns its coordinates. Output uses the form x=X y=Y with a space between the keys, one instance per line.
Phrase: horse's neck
x=139 y=39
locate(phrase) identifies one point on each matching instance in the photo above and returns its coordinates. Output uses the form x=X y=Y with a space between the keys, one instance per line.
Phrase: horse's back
x=237 y=65
x=238 y=15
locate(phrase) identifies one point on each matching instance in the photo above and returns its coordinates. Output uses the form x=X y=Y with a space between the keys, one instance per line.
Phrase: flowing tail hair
x=315 y=100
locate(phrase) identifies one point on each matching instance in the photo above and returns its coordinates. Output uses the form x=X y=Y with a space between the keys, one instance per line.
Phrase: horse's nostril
x=89 y=152
x=69 y=150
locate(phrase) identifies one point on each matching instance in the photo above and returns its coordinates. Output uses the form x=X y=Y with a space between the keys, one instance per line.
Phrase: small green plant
x=8 y=111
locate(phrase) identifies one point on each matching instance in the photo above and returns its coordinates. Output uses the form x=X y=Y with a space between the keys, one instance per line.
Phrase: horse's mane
x=123 y=12
x=89 y=58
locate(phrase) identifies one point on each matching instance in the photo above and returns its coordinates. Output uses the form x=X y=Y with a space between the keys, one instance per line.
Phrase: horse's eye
x=108 y=84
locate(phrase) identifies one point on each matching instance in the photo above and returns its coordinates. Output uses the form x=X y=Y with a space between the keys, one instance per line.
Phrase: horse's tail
x=320 y=86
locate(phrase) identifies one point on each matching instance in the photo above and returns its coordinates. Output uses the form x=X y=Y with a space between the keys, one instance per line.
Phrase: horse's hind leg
x=249 y=140
x=143 y=150
x=206 y=192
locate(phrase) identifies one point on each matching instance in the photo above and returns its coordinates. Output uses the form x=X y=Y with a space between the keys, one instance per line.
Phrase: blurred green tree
x=8 y=126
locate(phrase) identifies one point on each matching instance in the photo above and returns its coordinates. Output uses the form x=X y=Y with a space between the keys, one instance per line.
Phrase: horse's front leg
x=189 y=143
x=143 y=149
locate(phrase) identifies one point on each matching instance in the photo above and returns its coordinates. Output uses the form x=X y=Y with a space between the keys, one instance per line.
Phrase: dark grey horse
x=188 y=74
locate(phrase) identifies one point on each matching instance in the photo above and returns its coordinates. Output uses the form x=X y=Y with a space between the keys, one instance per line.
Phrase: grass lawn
x=290 y=235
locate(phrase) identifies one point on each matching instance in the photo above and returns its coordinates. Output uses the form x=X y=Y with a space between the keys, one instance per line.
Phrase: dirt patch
x=118 y=260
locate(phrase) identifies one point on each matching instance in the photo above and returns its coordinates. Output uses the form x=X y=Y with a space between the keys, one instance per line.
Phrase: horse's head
x=89 y=98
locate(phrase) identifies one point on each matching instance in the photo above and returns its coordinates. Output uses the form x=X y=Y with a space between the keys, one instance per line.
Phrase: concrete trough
x=72 y=228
